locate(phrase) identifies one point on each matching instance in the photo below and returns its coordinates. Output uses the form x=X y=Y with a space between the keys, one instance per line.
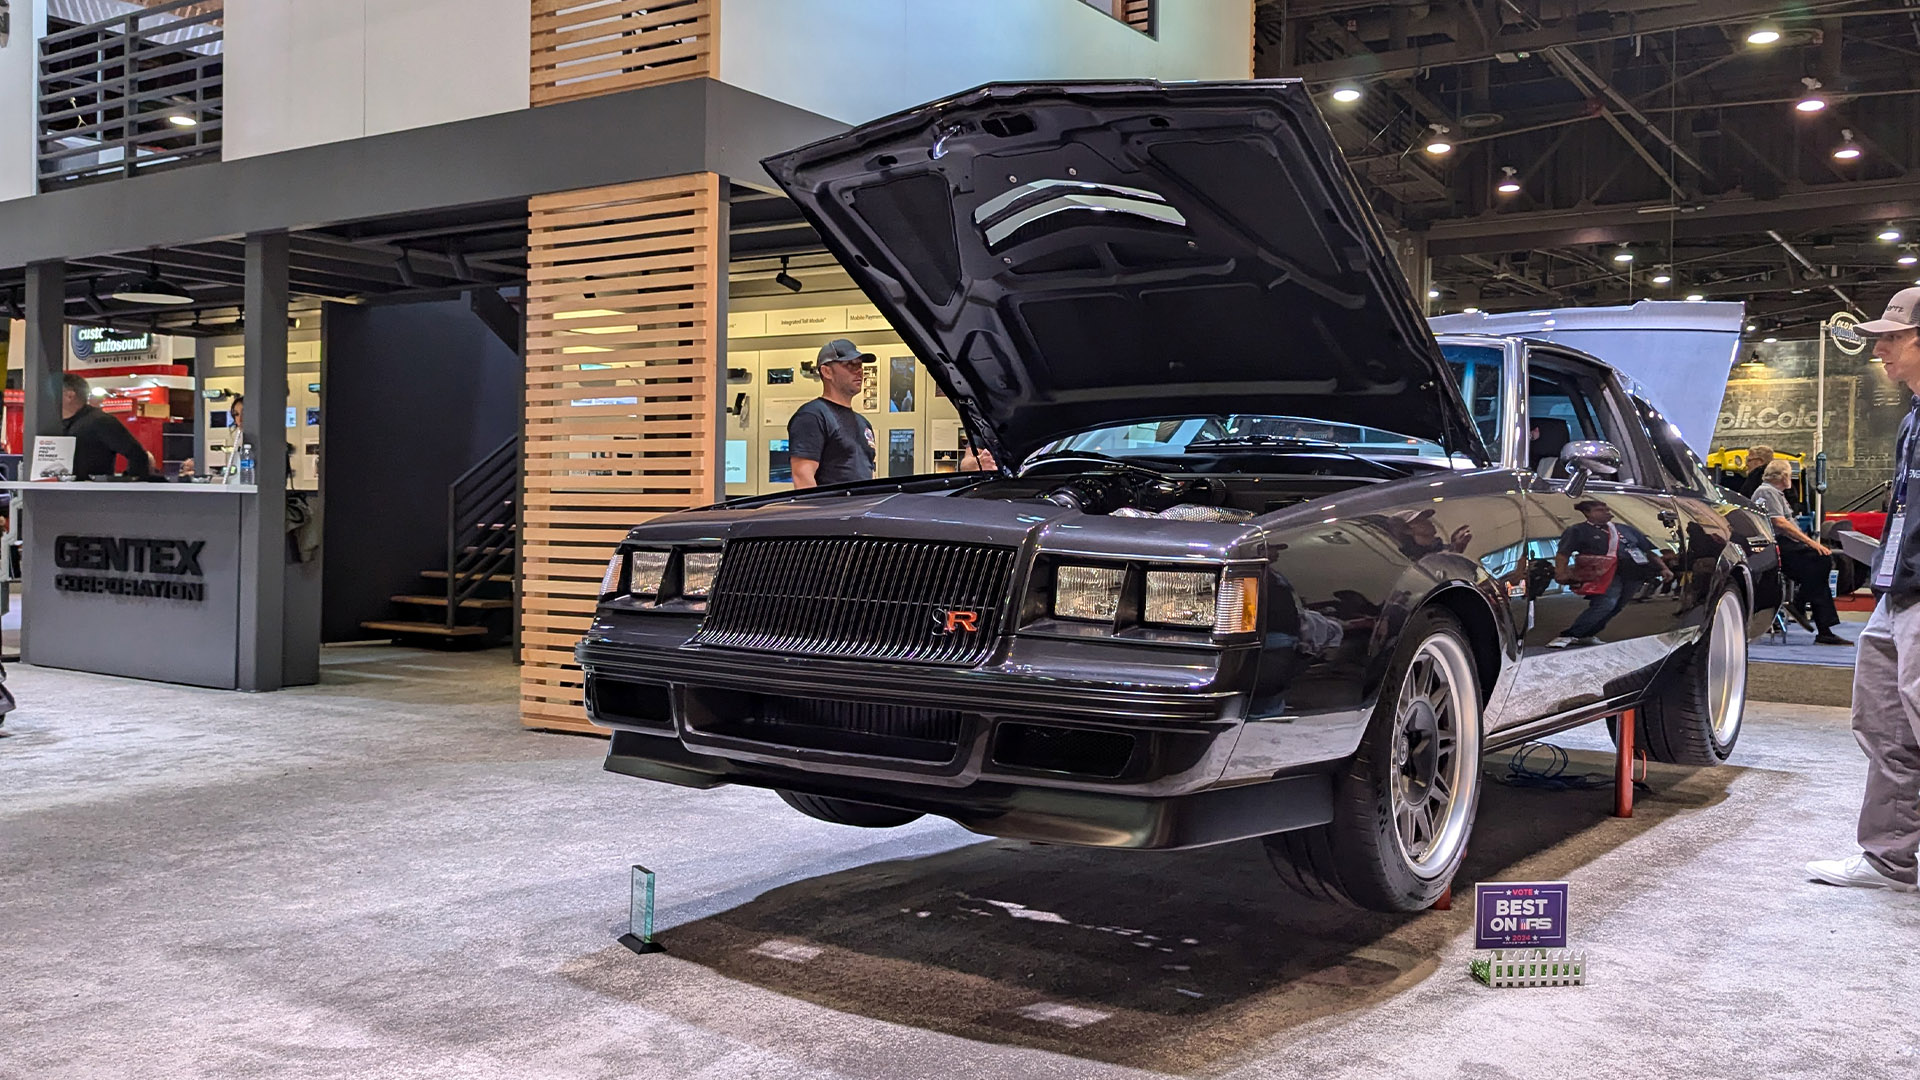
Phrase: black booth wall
x=414 y=395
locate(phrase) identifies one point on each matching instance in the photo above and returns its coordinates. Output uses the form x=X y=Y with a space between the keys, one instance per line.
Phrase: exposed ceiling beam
x=1400 y=63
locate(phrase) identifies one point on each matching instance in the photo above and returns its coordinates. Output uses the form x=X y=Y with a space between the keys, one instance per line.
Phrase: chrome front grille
x=918 y=601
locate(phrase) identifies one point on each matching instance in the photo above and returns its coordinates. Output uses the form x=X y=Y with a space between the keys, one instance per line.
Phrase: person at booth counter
x=1886 y=692
x=1806 y=560
x=97 y=437
x=827 y=442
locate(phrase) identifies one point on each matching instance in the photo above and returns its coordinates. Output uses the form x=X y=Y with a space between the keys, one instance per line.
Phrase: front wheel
x=1404 y=806
x=1694 y=719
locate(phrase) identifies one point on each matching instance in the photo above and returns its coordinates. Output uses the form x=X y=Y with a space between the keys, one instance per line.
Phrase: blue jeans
x=1600 y=609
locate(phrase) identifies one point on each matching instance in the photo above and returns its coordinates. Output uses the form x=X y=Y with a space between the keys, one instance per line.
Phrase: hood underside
x=1067 y=256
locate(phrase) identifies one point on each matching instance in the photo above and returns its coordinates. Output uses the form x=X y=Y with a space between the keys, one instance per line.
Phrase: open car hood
x=1068 y=256
x=1677 y=352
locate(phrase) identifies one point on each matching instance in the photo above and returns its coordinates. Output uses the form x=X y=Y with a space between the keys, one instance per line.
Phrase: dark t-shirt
x=1586 y=538
x=97 y=438
x=838 y=438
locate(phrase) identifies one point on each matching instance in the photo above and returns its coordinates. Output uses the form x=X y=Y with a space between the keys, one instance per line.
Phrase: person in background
x=1886 y=696
x=1758 y=458
x=827 y=442
x=977 y=459
x=1805 y=560
x=97 y=437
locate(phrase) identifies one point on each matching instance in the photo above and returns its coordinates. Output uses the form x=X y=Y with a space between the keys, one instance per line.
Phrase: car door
x=1618 y=643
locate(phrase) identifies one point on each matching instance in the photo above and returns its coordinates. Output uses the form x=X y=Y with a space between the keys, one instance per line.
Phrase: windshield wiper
x=1289 y=442
x=1264 y=441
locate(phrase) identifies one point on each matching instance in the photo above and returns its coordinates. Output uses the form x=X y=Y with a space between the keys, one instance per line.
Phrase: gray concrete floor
x=383 y=876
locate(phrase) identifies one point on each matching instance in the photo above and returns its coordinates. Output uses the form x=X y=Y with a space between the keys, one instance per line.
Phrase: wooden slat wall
x=582 y=48
x=631 y=275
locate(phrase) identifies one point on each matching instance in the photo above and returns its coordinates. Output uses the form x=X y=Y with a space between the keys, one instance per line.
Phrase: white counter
x=134 y=485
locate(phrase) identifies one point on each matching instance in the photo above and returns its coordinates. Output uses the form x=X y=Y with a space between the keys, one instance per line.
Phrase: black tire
x=1682 y=723
x=1360 y=858
x=848 y=812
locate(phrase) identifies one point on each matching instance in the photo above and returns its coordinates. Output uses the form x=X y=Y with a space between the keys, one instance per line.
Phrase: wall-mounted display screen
x=736 y=462
x=902 y=373
x=900 y=451
x=779 y=462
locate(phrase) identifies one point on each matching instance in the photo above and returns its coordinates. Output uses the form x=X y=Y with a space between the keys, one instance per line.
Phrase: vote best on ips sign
x=1520 y=915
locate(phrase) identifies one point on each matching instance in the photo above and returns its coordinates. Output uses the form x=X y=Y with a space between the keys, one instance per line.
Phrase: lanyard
x=1901 y=457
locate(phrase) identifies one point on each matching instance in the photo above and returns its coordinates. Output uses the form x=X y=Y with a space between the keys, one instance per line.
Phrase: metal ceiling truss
x=1715 y=157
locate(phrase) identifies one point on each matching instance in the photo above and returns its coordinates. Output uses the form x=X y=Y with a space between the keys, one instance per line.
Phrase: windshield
x=1177 y=435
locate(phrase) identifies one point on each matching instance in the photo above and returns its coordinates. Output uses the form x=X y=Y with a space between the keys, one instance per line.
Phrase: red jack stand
x=1445 y=903
x=1624 y=725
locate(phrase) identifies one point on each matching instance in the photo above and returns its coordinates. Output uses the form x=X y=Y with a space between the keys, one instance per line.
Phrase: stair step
x=433 y=628
x=472 y=602
x=504 y=579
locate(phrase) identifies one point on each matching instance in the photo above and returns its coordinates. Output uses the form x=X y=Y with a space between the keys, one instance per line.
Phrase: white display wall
x=770 y=373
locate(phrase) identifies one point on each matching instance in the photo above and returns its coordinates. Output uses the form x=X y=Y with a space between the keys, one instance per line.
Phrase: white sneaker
x=1857 y=871
x=1561 y=642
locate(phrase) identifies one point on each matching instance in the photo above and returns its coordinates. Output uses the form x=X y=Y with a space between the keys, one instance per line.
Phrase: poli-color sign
x=1520 y=915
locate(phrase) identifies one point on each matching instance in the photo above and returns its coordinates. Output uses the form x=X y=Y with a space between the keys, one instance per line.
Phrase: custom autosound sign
x=134 y=567
x=1520 y=915
x=97 y=346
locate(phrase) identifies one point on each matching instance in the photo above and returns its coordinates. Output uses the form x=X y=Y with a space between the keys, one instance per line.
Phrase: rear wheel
x=1404 y=806
x=848 y=812
x=1695 y=718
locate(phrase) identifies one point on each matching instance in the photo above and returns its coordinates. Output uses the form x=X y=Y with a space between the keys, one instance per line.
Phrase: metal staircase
x=471 y=599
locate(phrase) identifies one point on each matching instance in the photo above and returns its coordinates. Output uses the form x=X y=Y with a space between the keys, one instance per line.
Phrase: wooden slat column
x=623 y=357
x=582 y=48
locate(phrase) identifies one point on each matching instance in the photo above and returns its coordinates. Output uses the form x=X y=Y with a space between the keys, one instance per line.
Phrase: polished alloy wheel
x=1436 y=756
x=1727 y=668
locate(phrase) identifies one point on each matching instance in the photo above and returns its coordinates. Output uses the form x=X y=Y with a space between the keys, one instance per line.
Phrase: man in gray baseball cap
x=1886 y=707
x=827 y=441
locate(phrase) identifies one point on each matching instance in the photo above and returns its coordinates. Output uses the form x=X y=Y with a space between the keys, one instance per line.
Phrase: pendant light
x=152 y=289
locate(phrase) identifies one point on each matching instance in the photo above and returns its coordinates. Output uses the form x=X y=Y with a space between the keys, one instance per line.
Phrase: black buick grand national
x=1263 y=558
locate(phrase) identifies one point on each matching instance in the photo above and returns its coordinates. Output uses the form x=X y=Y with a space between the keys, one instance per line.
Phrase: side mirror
x=1589 y=458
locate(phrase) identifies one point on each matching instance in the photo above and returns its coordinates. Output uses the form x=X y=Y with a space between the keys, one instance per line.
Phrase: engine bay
x=1115 y=488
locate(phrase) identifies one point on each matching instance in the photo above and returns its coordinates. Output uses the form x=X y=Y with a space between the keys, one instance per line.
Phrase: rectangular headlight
x=697 y=571
x=1181 y=598
x=1091 y=593
x=645 y=572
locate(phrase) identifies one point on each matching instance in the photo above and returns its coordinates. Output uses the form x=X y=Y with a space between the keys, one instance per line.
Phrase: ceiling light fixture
x=786 y=280
x=1433 y=294
x=1890 y=235
x=1768 y=340
x=1469 y=311
x=1662 y=276
x=1694 y=297
x=1346 y=94
x=1908 y=259
x=182 y=120
x=1848 y=150
x=1813 y=102
x=151 y=289
x=1509 y=182
x=1438 y=145
x=1763 y=34
x=1623 y=256
x=1751 y=327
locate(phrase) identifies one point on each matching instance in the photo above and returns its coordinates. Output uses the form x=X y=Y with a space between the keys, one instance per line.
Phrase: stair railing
x=482 y=539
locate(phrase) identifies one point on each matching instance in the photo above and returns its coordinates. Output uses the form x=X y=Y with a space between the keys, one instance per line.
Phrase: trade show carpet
x=384 y=876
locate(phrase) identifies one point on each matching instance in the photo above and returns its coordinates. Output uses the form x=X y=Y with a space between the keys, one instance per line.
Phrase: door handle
x=1670 y=519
